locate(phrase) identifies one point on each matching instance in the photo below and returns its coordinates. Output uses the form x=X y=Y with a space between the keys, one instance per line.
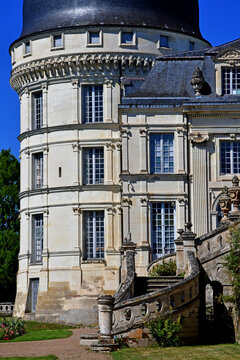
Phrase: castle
x=129 y=128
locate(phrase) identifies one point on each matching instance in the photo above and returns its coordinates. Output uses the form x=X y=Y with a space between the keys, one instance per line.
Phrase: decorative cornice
x=76 y=65
x=199 y=138
x=232 y=57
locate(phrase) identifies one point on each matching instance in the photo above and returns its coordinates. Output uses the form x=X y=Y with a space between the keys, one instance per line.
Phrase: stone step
x=164 y=278
x=155 y=283
x=88 y=339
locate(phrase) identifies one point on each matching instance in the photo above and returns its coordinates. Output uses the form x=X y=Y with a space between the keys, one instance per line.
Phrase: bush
x=11 y=328
x=166 y=331
x=165 y=269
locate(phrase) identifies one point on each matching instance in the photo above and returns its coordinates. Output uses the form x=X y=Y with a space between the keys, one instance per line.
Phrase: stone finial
x=225 y=204
x=197 y=81
x=234 y=193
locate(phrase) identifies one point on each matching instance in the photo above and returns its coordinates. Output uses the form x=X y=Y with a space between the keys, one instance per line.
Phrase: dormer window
x=94 y=37
x=231 y=81
x=57 y=41
x=127 y=37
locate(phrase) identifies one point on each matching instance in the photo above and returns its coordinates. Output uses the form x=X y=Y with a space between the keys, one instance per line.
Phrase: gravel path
x=64 y=349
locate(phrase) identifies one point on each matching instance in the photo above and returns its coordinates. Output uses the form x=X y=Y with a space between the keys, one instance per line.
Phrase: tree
x=9 y=224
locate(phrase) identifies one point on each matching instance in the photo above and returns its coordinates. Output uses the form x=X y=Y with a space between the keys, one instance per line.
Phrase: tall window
x=37 y=238
x=161 y=153
x=231 y=81
x=163 y=229
x=37 y=111
x=94 y=234
x=93 y=103
x=38 y=171
x=230 y=157
x=33 y=294
x=93 y=166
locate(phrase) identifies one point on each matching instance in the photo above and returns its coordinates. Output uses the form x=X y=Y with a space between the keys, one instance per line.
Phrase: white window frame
x=134 y=40
x=232 y=81
x=37 y=170
x=37 y=242
x=95 y=174
x=161 y=134
x=52 y=39
x=37 y=114
x=231 y=157
x=163 y=227
x=25 y=53
x=86 y=252
x=100 y=43
x=93 y=108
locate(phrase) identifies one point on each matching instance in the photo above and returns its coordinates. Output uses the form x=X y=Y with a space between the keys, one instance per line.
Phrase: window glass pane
x=93 y=166
x=94 y=234
x=230 y=157
x=191 y=45
x=94 y=37
x=163 y=229
x=163 y=41
x=37 y=238
x=93 y=103
x=34 y=285
x=231 y=81
x=38 y=171
x=57 y=40
x=161 y=153
x=27 y=48
x=37 y=112
x=127 y=37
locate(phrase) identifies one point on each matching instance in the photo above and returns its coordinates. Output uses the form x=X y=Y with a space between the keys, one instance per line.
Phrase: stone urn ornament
x=225 y=205
x=234 y=192
x=197 y=81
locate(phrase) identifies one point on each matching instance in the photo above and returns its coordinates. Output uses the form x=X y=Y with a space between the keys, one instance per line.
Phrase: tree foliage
x=9 y=224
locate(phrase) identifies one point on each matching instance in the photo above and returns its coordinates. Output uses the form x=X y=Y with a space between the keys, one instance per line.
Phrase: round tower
x=67 y=67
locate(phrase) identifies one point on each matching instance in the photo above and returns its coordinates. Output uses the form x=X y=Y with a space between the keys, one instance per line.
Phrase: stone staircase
x=161 y=282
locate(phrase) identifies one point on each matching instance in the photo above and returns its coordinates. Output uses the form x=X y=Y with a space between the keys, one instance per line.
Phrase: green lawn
x=208 y=352
x=49 y=357
x=43 y=331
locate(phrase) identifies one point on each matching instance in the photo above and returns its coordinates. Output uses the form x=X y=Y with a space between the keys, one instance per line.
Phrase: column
x=45 y=104
x=109 y=164
x=117 y=168
x=200 y=183
x=110 y=228
x=45 y=253
x=180 y=151
x=76 y=160
x=77 y=212
x=118 y=228
x=125 y=150
x=126 y=203
x=108 y=101
x=143 y=151
x=105 y=310
x=45 y=167
x=75 y=100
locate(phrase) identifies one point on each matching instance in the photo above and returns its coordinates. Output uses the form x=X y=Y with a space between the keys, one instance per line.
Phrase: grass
x=208 y=352
x=49 y=357
x=43 y=331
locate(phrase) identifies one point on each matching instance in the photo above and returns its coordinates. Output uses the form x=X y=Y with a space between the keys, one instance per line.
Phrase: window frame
x=35 y=169
x=165 y=37
x=52 y=39
x=231 y=69
x=93 y=108
x=89 y=43
x=134 y=39
x=163 y=227
x=37 y=123
x=36 y=253
x=86 y=240
x=191 y=45
x=231 y=143
x=25 y=53
x=150 y=159
x=31 y=303
x=95 y=164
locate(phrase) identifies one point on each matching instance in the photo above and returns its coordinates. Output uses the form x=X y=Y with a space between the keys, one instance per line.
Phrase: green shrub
x=165 y=269
x=166 y=331
x=11 y=328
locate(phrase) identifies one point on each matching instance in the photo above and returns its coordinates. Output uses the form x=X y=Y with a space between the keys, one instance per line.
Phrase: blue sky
x=219 y=23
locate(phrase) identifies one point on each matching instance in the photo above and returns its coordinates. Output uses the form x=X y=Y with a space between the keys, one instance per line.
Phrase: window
x=27 y=48
x=38 y=171
x=163 y=229
x=230 y=157
x=93 y=235
x=37 y=110
x=191 y=45
x=161 y=153
x=93 y=163
x=93 y=103
x=94 y=37
x=231 y=81
x=164 y=41
x=37 y=238
x=126 y=37
x=57 y=41
x=33 y=294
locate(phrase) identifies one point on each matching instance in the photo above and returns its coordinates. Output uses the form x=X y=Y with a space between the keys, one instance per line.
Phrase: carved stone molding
x=76 y=146
x=110 y=210
x=126 y=202
x=231 y=57
x=118 y=146
x=76 y=65
x=199 y=138
x=46 y=212
x=77 y=210
x=182 y=200
x=110 y=146
x=125 y=132
x=143 y=132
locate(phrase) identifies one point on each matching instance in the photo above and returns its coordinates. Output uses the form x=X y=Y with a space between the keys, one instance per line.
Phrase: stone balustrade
x=6 y=308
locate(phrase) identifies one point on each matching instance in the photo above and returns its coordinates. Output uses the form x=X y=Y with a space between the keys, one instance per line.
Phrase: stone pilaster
x=75 y=100
x=109 y=163
x=143 y=151
x=45 y=104
x=125 y=151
